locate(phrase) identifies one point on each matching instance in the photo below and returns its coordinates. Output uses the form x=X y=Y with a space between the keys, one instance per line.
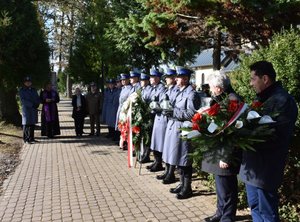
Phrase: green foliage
x=23 y=49
x=284 y=53
x=62 y=77
x=289 y=212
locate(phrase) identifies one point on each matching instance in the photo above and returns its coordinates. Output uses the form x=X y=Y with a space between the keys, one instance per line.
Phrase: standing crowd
x=173 y=102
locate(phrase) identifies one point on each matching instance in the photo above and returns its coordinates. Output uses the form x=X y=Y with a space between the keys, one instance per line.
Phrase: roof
x=205 y=58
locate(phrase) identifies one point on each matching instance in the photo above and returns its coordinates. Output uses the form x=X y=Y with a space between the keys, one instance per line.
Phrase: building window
x=202 y=78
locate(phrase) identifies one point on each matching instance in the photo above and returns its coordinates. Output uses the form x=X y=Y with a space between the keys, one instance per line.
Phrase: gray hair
x=219 y=79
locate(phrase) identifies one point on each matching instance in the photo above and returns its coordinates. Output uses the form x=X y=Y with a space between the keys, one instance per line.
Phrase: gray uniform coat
x=146 y=94
x=160 y=122
x=175 y=149
x=136 y=87
x=124 y=94
x=157 y=90
x=30 y=101
x=110 y=107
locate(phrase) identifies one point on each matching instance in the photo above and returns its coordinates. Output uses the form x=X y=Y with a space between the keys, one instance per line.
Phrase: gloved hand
x=167 y=113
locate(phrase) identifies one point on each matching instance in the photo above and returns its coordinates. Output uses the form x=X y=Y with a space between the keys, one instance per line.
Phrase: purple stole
x=49 y=108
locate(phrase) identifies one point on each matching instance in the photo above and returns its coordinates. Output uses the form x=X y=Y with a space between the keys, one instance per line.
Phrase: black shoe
x=157 y=167
x=213 y=218
x=162 y=176
x=150 y=166
x=145 y=159
x=170 y=178
x=91 y=134
x=98 y=134
x=176 y=189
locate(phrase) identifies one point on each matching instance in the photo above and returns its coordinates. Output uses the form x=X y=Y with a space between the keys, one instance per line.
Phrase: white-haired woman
x=224 y=165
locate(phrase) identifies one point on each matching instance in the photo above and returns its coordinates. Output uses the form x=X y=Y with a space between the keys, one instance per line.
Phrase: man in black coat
x=262 y=170
x=224 y=164
x=79 y=111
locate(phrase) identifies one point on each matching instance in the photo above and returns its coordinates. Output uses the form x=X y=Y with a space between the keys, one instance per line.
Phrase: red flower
x=196 y=127
x=197 y=118
x=214 y=110
x=256 y=104
x=233 y=106
x=136 y=129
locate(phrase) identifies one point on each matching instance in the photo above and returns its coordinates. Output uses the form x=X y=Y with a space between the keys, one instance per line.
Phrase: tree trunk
x=217 y=52
x=9 y=110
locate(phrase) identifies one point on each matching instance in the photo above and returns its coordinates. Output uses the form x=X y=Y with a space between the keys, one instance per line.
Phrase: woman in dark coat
x=49 y=119
x=79 y=111
x=224 y=164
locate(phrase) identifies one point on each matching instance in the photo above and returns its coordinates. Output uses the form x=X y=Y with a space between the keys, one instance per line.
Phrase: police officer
x=124 y=94
x=30 y=102
x=186 y=104
x=135 y=81
x=157 y=89
x=109 y=110
x=146 y=87
x=160 y=124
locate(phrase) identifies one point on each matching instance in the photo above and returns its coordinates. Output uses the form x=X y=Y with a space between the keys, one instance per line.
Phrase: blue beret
x=170 y=72
x=124 y=76
x=144 y=76
x=118 y=79
x=181 y=71
x=134 y=74
x=155 y=72
x=27 y=79
x=92 y=84
x=111 y=81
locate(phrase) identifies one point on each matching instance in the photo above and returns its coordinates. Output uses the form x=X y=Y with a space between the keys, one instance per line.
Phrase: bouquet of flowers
x=229 y=124
x=141 y=122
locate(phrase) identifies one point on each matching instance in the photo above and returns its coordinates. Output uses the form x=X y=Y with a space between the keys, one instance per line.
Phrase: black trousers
x=28 y=133
x=79 y=122
x=227 y=197
x=95 y=118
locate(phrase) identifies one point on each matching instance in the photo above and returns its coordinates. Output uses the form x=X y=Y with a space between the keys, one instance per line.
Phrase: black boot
x=162 y=176
x=158 y=162
x=146 y=156
x=186 y=191
x=170 y=177
x=179 y=186
x=151 y=165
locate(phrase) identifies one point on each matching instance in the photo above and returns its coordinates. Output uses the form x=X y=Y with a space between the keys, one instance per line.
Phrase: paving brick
x=87 y=179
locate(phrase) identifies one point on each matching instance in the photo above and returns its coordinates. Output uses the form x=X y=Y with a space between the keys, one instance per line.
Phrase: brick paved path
x=87 y=179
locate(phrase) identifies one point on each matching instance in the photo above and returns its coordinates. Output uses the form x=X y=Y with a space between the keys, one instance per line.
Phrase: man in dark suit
x=79 y=111
x=262 y=170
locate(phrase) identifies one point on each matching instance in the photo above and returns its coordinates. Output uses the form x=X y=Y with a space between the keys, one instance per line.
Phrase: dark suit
x=262 y=171
x=79 y=113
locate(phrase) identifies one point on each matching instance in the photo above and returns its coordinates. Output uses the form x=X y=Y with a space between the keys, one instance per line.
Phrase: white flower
x=125 y=106
x=187 y=124
x=266 y=119
x=193 y=133
x=123 y=117
x=212 y=127
x=133 y=97
x=184 y=132
x=252 y=115
x=239 y=124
